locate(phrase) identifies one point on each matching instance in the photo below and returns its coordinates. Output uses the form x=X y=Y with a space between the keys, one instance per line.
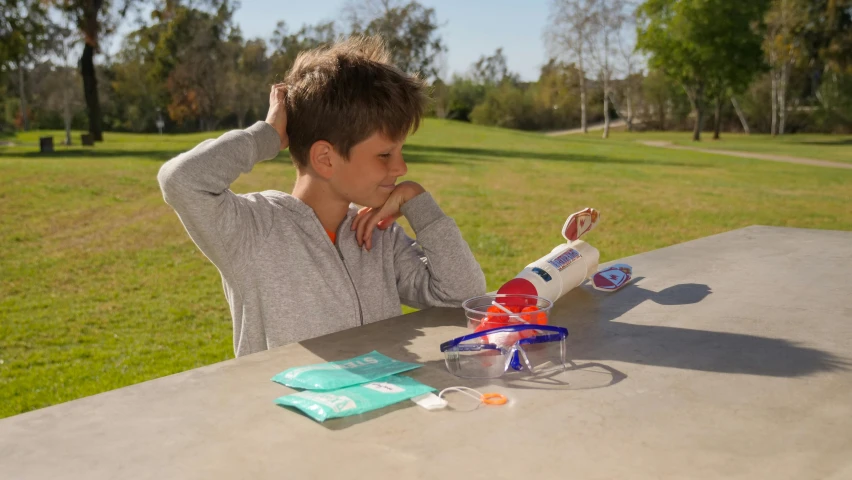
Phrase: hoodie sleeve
x=225 y=226
x=438 y=269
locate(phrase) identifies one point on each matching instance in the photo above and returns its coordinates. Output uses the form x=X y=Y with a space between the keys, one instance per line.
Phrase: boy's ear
x=320 y=158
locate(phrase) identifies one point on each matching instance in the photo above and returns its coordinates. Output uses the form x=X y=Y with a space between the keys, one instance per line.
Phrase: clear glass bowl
x=483 y=314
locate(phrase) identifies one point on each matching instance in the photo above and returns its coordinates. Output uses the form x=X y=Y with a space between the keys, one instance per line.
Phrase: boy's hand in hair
x=370 y=218
x=277 y=116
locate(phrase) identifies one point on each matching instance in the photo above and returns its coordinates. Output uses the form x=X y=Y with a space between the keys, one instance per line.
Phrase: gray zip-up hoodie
x=284 y=279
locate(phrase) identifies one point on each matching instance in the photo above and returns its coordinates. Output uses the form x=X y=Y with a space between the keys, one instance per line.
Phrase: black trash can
x=86 y=139
x=45 y=144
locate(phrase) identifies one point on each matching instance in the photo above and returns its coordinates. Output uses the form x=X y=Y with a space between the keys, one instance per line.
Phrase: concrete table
x=729 y=357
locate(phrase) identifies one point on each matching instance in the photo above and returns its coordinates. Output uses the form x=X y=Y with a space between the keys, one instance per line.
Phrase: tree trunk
x=440 y=107
x=698 y=106
x=717 y=117
x=774 y=100
x=23 y=96
x=782 y=97
x=583 y=125
x=699 y=120
x=606 y=108
x=90 y=89
x=618 y=110
x=66 y=114
x=741 y=115
x=629 y=110
x=606 y=83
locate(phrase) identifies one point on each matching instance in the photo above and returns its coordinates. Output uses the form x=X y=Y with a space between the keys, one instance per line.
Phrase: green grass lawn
x=102 y=288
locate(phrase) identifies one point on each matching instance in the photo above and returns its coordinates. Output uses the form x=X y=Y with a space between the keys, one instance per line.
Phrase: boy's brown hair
x=346 y=92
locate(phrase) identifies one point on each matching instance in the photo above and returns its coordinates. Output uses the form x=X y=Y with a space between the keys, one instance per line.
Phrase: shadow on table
x=592 y=316
x=595 y=336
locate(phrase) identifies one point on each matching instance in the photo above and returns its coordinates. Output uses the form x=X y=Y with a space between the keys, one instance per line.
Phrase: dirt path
x=759 y=156
x=591 y=128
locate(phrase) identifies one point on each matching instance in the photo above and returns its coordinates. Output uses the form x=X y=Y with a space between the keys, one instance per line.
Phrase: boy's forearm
x=421 y=211
x=212 y=166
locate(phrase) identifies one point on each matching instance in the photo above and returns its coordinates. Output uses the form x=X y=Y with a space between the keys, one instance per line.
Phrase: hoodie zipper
x=352 y=282
x=357 y=298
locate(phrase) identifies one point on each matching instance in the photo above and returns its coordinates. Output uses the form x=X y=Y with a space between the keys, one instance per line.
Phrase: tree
x=286 y=46
x=410 y=31
x=23 y=36
x=89 y=17
x=492 y=70
x=63 y=41
x=567 y=37
x=784 y=47
x=623 y=96
x=664 y=103
x=56 y=96
x=632 y=62
x=707 y=46
x=138 y=85
x=827 y=39
x=506 y=105
x=745 y=57
x=607 y=20
x=556 y=96
x=247 y=77
x=192 y=59
x=464 y=95
x=740 y=114
x=440 y=98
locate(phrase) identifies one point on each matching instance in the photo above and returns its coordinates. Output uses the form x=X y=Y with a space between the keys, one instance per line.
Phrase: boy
x=298 y=266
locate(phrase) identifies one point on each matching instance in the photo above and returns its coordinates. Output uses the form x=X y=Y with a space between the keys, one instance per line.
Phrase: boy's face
x=369 y=175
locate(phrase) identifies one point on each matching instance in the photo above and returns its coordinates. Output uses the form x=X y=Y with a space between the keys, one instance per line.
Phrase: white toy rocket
x=568 y=265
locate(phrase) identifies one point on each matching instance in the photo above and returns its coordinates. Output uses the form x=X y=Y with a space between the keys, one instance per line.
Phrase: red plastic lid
x=517 y=286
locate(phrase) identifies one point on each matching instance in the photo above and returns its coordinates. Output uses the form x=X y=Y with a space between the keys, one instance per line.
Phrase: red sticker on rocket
x=579 y=223
x=612 y=278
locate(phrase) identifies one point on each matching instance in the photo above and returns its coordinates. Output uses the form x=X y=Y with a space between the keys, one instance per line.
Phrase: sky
x=469 y=28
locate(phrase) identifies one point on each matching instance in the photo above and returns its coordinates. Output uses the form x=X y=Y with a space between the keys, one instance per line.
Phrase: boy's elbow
x=477 y=287
x=474 y=286
x=179 y=172
x=168 y=179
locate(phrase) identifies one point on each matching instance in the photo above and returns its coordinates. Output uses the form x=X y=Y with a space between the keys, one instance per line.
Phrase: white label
x=338 y=403
x=383 y=387
x=564 y=259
